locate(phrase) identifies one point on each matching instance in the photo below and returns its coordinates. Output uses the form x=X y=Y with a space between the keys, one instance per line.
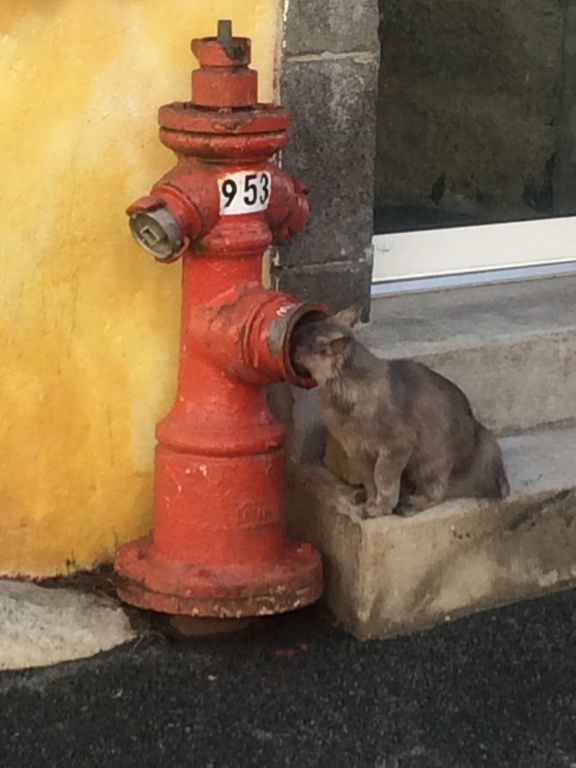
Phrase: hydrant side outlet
x=218 y=545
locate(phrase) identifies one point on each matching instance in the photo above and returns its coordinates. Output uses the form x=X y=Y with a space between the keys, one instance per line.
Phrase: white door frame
x=474 y=253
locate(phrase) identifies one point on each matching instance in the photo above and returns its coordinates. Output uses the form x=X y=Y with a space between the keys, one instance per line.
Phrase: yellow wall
x=88 y=321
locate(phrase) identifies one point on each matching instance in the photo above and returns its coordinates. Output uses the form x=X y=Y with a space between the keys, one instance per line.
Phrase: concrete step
x=392 y=575
x=511 y=346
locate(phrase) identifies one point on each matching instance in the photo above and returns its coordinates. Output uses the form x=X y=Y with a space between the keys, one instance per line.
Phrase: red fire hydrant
x=218 y=545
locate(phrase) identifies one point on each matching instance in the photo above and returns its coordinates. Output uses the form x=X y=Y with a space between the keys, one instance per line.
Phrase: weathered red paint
x=218 y=545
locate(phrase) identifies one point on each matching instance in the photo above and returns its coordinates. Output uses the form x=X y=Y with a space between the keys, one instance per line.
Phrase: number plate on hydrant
x=244 y=192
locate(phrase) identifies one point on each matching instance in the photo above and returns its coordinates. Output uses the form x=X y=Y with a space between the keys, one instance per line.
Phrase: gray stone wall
x=468 y=105
x=329 y=79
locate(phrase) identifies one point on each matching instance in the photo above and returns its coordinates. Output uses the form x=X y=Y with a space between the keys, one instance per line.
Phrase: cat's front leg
x=364 y=463
x=388 y=470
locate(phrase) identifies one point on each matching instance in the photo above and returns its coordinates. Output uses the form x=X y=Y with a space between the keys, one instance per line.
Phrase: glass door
x=474 y=140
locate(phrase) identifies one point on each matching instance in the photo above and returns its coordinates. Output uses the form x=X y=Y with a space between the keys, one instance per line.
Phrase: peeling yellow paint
x=88 y=321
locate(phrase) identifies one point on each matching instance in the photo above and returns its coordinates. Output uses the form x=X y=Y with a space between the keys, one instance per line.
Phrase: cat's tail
x=490 y=456
x=503 y=484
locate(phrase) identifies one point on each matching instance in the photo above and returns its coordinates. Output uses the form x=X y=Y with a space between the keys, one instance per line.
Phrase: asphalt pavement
x=497 y=689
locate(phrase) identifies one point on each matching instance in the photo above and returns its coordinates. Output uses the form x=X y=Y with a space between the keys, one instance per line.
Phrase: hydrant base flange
x=145 y=580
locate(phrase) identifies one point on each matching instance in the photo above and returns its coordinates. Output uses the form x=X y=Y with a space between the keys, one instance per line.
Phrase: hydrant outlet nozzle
x=157 y=232
x=166 y=222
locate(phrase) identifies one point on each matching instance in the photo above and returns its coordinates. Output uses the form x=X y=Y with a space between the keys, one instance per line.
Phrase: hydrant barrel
x=218 y=546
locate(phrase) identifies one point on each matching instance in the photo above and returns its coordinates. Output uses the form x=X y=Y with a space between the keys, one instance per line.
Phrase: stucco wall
x=88 y=322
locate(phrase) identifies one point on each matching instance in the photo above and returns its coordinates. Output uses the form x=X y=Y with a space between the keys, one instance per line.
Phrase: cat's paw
x=372 y=510
x=405 y=509
x=412 y=505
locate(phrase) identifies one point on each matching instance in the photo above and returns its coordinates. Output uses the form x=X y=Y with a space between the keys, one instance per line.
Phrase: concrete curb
x=40 y=626
x=393 y=575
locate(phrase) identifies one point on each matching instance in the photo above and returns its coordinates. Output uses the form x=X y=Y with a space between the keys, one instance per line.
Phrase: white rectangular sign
x=244 y=192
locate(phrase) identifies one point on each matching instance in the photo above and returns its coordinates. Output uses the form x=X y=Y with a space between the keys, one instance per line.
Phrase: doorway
x=468 y=156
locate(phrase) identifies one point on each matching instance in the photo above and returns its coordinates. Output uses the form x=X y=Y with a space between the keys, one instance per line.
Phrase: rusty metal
x=218 y=545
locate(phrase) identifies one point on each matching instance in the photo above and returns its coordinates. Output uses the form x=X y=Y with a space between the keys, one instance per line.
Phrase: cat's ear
x=349 y=316
x=339 y=345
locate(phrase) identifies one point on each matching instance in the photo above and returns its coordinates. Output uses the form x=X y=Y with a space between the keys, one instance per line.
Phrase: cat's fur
x=409 y=431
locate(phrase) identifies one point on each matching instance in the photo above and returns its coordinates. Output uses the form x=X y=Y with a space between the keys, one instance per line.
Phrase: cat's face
x=318 y=348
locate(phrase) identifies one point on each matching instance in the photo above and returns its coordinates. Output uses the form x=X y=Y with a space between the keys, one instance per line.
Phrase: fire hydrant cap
x=224 y=79
x=157 y=232
x=224 y=50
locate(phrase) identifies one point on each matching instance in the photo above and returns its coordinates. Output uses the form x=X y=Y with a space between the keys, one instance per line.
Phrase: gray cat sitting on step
x=409 y=432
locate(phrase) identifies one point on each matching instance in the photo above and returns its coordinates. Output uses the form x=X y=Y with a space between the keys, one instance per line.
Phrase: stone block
x=331 y=150
x=337 y=26
x=393 y=575
x=337 y=285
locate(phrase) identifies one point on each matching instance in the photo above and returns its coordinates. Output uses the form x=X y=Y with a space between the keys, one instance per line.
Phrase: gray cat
x=408 y=431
